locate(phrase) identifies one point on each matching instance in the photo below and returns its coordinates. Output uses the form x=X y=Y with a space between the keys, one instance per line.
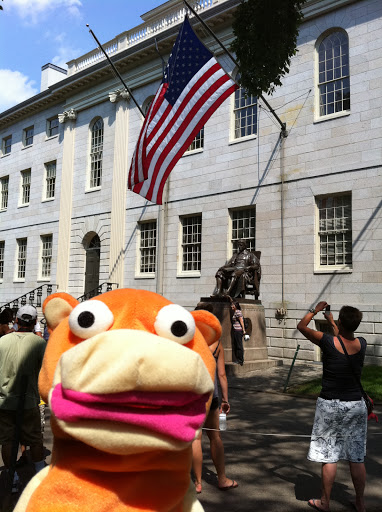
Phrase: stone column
x=119 y=187
x=64 y=228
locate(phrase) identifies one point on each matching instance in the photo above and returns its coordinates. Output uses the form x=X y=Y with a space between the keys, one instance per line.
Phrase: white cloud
x=15 y=88
x=32 y=11
x=64 y=51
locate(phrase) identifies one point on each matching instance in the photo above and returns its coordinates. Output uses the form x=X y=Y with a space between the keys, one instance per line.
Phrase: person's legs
x=217 y=449
x=32 y=436
x=238 y=346
x=197 y=462
x=328 y=475
x=6 y=452
x=358 y=475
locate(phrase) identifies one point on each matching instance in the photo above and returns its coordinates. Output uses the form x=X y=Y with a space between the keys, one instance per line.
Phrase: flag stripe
x=152 y=188
x=194 y=86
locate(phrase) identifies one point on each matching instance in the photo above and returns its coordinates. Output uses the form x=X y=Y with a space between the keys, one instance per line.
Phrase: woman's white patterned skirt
x=339 y=431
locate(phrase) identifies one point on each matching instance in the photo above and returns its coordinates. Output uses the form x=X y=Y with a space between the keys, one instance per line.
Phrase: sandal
x=228 y=487
x=312 y=503
x=198 y=487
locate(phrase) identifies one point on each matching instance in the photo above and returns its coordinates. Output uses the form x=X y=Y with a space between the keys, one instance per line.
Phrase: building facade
x=310 y=202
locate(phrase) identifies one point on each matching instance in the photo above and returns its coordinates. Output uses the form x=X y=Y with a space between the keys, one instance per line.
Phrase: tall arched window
x=333 y=73
x=245 y=114
x=96 y=154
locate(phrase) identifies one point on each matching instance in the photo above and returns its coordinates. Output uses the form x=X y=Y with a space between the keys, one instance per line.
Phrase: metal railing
x=152 y=26
x=34 y=298
x=102 y=288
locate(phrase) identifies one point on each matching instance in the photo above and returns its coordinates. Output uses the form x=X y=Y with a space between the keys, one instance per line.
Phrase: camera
x=327 y=309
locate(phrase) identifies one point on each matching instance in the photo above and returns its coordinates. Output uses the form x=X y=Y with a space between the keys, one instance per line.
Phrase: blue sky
x=34 y=33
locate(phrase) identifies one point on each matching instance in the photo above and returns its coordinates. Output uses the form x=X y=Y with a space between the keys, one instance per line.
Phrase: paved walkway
x=266 y=445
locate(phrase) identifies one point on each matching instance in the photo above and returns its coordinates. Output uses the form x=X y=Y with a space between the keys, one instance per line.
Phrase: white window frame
x=197 y=145
x=330 y=268
x=5 y=146
x=46 y=254
x=21 y=259
x=49 y=128
x=4 y=193
x=143 y=250
x=26 y=137
x=232 y=243
x=25 y=187
x=2 y=251
x=50 y=176
x=234 y=109
x=318 y=117
x=96 y=155
x=183 y=220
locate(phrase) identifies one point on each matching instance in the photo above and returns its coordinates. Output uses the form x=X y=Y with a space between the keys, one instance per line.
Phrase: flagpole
x=115 y=70
x=283 y=125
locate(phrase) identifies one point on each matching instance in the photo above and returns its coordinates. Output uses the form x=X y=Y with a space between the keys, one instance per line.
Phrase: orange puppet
x=128 y=376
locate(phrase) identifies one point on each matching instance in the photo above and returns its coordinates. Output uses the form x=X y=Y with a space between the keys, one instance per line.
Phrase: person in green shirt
x=21 y=354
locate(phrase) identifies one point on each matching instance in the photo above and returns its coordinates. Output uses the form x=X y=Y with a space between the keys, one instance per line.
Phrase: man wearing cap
x=21 y=354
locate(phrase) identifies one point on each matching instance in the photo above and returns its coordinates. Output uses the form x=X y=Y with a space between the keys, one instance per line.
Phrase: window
x=2 y=246
x=50 y=180
x=243 y=227
x=7 y=145
x=21 y=257
x=28 y=136
x=96 y=154
x=147 y=247
x=52 y=127
x=245 y=114
x=46 y=256
x=333 y=74
x=335 y=231
x=198 y=142
x=191 y=243
x=25 y=186
x=4 y=183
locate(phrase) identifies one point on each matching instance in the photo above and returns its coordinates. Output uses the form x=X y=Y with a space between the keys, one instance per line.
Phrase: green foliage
x=371 y=382
x=265 y=40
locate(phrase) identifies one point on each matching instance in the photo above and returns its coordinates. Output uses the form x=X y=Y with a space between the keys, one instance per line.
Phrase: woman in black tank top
x=340 y=408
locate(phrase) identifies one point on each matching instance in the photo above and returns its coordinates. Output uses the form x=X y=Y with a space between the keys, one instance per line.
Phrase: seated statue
x=239 y=274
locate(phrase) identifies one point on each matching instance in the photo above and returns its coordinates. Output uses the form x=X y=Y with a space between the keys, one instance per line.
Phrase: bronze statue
x=240 y=275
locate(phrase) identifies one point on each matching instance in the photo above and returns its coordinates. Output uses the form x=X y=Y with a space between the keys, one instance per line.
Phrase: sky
x=37 y=32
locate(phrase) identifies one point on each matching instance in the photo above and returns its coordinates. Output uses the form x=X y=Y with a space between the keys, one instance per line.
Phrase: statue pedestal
x=255 y=349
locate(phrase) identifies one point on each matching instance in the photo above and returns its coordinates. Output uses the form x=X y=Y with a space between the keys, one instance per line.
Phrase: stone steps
x=249 y=366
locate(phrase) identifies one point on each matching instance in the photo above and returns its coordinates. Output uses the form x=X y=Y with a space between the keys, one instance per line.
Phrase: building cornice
x=137 y=55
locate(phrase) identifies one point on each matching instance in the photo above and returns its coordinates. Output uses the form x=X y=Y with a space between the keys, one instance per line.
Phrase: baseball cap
x=27 y=314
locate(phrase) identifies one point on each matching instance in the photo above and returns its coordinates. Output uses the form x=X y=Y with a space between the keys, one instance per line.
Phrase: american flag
x=193 y=87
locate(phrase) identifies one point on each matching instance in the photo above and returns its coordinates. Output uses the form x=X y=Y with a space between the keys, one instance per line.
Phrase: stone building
x=310 y=202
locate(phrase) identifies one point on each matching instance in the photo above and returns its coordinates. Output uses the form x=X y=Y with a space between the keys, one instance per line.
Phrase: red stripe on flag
x=153 y=176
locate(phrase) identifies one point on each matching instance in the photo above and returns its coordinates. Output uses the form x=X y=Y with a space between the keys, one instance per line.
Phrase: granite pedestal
x=255 y=350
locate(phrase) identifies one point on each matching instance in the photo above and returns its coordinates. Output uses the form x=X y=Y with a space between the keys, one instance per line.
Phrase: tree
x=265 y=40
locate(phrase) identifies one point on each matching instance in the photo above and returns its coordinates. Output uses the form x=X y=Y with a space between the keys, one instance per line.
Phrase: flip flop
x=316 y=507
x=228 y=487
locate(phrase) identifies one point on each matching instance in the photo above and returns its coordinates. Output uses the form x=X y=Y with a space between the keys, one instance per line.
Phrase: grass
x=371 y=382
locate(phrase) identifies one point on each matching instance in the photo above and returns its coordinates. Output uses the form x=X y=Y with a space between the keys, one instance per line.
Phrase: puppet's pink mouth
x=177 y=415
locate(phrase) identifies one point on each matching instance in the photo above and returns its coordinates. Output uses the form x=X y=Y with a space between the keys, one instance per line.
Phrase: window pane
x=243 y=227
x=46 y=255
x=191 y=243
x=333 y=75
x=148 y=242
x=335 y=230
x=96 y=154
x=21 y=258
x=245 y=114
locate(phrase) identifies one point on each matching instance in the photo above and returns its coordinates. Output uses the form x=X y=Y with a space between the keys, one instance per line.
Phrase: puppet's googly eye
x=175 y=323
x=90 y=318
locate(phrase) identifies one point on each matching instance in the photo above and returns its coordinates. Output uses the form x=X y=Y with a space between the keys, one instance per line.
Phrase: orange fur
x=146 y=478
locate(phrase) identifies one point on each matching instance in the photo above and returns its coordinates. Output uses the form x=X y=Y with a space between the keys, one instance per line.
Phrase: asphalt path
x=266 y=443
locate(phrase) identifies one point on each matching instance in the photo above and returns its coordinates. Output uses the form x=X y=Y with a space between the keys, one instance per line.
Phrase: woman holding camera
x=238 y=331
x=340 y=423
